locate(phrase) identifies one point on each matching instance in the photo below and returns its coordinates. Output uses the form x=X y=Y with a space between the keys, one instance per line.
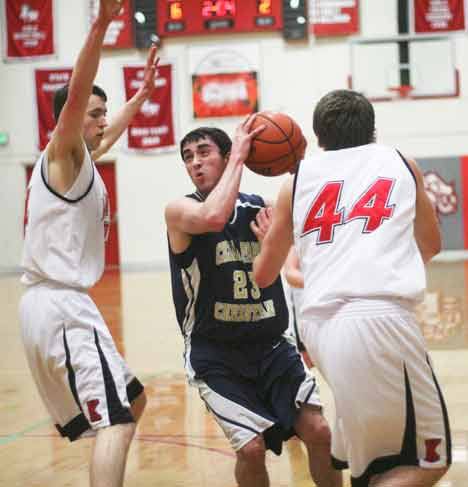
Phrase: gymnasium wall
x=292 y=77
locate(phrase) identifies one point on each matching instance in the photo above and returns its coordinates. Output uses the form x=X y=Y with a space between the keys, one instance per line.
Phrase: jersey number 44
x=325 y=212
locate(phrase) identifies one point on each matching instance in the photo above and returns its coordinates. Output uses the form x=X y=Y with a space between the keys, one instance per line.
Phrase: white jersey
x=353 y=213
x=65 y=235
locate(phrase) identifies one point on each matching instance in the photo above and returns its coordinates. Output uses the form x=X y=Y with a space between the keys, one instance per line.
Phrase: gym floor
x=177 y=442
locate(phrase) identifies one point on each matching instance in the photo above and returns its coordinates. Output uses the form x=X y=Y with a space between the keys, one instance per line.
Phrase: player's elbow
x=430 y=248
x=430 y=251
x=215 y=222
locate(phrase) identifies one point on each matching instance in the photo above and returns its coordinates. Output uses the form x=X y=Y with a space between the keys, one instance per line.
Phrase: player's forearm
x=220 y=203
x=82 y=78
x=118 y=125
x=426 y=226
x=265 y=271
x=428 y=239
x=269 y=262
x=86 y=66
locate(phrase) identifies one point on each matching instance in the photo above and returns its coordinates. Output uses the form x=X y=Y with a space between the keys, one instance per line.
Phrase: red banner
x=29 y=29
x=439 y=15
x=153 y=126
x=48 y=81
x=119 y=34
x=334 y=17
x=224 y=94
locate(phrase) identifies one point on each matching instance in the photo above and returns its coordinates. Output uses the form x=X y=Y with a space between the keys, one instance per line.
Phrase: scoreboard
x=191 y=17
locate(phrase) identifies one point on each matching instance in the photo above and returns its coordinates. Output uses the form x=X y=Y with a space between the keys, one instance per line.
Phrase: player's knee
x=253 y=453
x=313 y=428
x=122 y=433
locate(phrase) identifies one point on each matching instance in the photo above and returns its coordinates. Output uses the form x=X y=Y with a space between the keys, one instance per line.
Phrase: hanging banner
x=439 y=15
x=29 y=29
x=224 y=81
x=47 y=82
x=119 y=34
x=152 y=128
x=224 y=94
x=334 y=17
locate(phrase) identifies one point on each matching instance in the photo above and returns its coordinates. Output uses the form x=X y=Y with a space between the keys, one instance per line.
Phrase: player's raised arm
x=65 y=151
x=426 y=226
x=278 y=240
x=212 y=213
x=124 y=116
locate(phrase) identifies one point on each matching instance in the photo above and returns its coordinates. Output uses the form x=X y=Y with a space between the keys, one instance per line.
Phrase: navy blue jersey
x=213 y=289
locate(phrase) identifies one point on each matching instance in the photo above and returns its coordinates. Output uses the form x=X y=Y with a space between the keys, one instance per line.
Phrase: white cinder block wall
x=293 y=76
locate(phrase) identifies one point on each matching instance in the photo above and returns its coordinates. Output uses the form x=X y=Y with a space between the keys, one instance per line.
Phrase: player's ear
x=226 y=157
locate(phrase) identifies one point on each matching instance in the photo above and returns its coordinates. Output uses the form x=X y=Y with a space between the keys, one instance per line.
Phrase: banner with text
x=119 y=34
x=29 y=29
x=224 y=94
x=47 y=82
x=224 y=81
x=152 y=128
x=439 y=15
x=334 y=17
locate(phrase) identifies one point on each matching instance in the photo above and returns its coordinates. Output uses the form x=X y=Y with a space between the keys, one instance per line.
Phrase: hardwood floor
x=177 y=442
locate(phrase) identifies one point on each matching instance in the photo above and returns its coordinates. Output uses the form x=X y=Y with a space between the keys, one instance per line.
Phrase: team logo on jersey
x=431 y=445
x=441 y=193
x=94 y=416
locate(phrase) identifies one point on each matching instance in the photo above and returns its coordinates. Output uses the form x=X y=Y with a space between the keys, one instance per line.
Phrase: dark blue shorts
x=253 y=389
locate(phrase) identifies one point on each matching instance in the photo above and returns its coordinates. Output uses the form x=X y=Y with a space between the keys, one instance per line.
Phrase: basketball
x=278 y=148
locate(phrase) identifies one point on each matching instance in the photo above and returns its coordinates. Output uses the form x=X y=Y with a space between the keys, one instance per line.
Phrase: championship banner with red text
x=152 y=128
x=224 y=94
x=47 y=82
x=29 y=29
x=333 y=17
x=439 y=15
x=119 y=34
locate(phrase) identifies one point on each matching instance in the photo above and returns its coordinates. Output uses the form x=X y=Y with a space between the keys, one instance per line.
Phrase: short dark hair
x=218 y=136
x=61 y=95
x=344 y=118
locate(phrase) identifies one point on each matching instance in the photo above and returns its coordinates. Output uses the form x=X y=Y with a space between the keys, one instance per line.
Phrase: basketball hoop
x=402 y=91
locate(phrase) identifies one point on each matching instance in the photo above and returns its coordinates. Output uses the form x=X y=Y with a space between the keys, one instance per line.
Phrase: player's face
x=94 y=122
x=204 y=163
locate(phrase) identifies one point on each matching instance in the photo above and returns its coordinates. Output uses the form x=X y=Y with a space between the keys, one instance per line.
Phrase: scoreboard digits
x=188 y=17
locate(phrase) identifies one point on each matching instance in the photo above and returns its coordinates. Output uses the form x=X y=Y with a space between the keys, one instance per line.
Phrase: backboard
x=404 y=67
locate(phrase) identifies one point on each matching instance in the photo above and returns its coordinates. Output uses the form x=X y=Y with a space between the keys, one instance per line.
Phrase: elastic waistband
x=358 y=307
x=46 y=284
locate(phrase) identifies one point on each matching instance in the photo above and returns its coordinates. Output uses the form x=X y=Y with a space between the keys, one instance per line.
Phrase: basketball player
x=363 y=227
x=83 y=381
x=250 y=377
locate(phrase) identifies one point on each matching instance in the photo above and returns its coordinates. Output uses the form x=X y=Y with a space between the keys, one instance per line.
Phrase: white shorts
x=83 y=380
x=389 y=408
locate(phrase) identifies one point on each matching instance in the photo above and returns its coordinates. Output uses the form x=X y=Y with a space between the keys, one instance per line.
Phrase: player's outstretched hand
x=151 y=73
x=262 y=223
x=243 y=138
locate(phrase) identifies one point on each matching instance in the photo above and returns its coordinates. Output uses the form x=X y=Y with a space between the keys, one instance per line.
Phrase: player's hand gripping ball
x=278 y=148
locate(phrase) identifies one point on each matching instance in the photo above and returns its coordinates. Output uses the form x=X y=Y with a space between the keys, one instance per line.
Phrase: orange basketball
x=278 y=148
